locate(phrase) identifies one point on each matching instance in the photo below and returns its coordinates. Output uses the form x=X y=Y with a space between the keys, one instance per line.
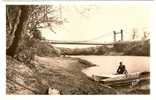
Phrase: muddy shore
x=45 y=73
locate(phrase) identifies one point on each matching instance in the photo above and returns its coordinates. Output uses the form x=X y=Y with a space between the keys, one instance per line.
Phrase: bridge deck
x=81 y=43
x=85 y=43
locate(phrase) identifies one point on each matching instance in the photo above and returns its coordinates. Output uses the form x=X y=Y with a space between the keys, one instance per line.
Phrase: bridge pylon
x=116 y=33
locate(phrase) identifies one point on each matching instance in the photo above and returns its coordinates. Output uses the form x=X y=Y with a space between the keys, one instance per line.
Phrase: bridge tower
x=116 y=33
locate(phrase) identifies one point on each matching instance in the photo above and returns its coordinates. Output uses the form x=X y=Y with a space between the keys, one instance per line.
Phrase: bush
x=35 y=47
x=140 y=48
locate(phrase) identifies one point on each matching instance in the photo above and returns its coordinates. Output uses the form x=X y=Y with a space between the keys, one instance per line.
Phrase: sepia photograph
x=67 y=0
x=78 y=49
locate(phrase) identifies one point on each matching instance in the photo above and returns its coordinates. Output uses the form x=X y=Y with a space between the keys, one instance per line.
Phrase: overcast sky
x=85 y=22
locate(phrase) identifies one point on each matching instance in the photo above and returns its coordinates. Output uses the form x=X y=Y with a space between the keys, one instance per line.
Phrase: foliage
x=136 y=48
x=23 y=25
x=37 y=34
x=43 y=17
x=98 y=50
x=141 y=48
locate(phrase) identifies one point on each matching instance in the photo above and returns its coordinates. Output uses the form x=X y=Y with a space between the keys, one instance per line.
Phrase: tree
x=43 y=17
x=25 y=20
x=145 y=35
x=17 y=26
x=134 y=33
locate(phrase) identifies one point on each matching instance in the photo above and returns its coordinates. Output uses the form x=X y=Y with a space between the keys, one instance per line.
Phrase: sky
x=86 y=22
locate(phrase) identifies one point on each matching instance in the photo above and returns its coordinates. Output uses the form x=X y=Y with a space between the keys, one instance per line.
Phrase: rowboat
x=122 y=79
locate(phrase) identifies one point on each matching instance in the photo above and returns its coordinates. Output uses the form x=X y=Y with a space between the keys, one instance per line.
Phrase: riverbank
x=133 y=48
x=63 y=75
x=107 y=65
x=51 y=73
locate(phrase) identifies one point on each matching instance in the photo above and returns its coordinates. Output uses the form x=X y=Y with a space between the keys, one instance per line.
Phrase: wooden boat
x=122 y=79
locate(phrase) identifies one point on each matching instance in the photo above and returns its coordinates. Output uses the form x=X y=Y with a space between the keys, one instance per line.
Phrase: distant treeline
x=99 y=50
x=136 y=48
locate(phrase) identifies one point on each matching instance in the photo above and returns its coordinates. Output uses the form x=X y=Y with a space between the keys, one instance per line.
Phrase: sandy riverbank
x=59 y=73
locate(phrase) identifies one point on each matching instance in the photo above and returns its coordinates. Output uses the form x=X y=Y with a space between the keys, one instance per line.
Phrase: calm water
x=109 y=64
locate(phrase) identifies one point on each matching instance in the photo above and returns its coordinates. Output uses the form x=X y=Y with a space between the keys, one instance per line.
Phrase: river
x=109 y=64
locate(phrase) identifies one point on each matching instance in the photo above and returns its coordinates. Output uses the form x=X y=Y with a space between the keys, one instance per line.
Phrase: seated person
x=121 y=69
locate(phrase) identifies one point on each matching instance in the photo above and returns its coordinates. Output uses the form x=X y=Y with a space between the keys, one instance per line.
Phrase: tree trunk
x=19 y=29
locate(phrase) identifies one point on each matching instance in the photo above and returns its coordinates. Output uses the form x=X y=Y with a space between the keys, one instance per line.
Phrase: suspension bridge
x=89 y=41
